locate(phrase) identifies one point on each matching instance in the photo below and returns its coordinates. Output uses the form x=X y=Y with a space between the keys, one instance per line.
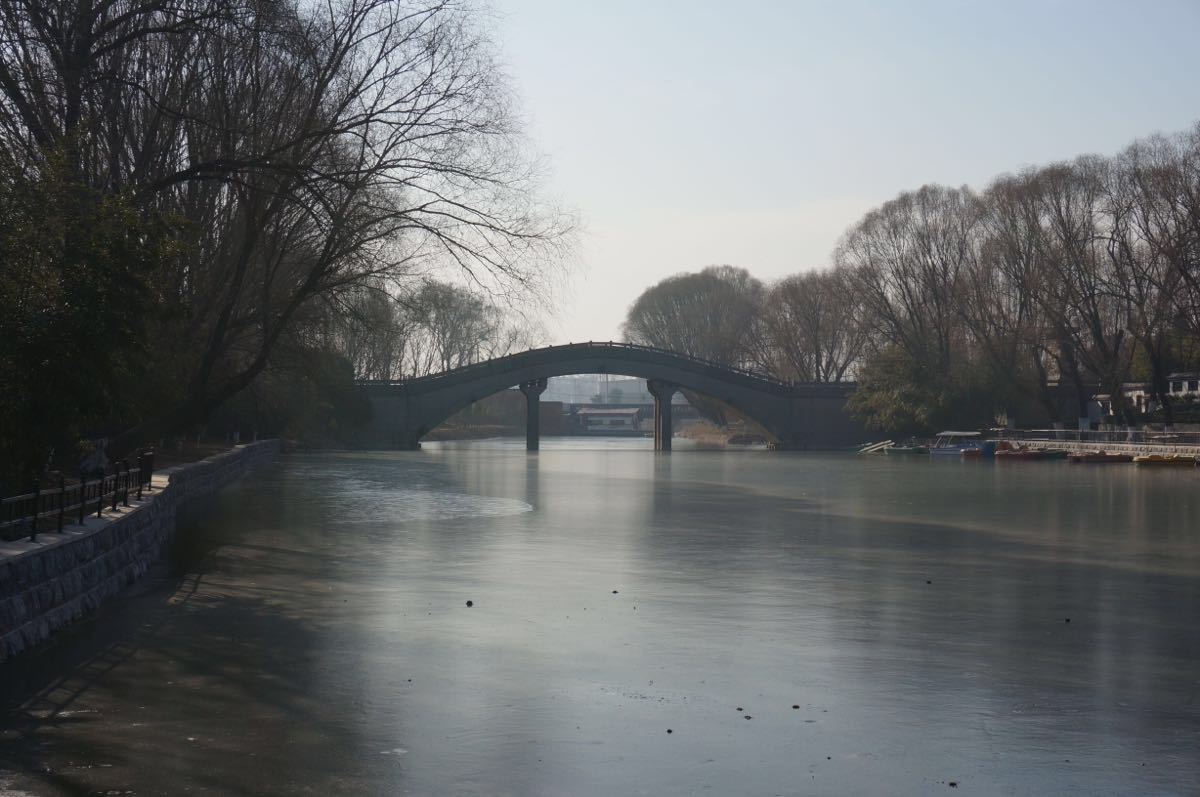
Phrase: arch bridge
x=793 y=415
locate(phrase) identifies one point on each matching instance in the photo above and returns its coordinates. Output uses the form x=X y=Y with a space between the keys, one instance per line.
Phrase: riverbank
x=473 y=432
x=707 y=433
x=45 y=585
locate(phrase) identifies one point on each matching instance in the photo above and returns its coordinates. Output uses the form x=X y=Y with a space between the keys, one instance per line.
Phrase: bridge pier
x=663 y=392
x=533 y=390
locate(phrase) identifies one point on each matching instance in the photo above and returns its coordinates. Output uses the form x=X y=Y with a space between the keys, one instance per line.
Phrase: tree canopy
x=189 y=181
x=953 y=306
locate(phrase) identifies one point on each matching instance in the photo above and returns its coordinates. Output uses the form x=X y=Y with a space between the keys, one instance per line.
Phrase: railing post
x=115 y=481
x=62 y=500
x=37 y=495
x=100 y=495
x=125 y=491
x=82 y=496
x=141 y=473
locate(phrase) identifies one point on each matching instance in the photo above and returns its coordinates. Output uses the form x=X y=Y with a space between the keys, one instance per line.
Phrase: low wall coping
x=72 y=532
x=159 y=481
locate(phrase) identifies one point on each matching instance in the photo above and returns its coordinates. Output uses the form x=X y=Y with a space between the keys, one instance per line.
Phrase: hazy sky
x=754 y=133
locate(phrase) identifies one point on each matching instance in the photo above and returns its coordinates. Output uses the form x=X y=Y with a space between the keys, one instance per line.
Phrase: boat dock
x=1132 y=442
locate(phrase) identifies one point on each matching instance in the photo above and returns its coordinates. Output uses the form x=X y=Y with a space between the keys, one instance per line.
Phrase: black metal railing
x=49 y=508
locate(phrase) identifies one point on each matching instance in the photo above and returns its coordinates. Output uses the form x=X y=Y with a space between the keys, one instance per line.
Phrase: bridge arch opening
x=593 y=405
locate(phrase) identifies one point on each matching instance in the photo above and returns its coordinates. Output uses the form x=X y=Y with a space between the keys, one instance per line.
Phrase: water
x=313 y=635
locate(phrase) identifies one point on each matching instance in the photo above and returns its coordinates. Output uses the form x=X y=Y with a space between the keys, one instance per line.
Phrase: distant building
x=1184 y=385
x=618 y=421
x=1137 y=395
x=1181 y=387
x=601 y=389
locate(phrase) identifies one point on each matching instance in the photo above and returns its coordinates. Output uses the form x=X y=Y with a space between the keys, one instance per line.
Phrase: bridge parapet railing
x=488 y=366
x=50 y=508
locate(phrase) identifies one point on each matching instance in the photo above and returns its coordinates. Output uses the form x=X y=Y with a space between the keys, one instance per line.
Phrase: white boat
x=954 y=442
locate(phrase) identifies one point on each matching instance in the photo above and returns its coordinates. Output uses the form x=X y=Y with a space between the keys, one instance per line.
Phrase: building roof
x=616 y=411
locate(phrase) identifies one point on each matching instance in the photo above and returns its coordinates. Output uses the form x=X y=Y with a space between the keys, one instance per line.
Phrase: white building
x=1137 y=395
x=1184 y=385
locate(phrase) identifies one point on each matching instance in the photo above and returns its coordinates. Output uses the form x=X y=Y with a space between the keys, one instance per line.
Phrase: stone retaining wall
x=61 y=577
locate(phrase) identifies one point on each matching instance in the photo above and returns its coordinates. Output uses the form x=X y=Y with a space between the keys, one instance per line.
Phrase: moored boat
x=906 y=450
x=986 y=449
x=1166 y=460
x=1097 y=458
x=954 y=442
x=1015 y=454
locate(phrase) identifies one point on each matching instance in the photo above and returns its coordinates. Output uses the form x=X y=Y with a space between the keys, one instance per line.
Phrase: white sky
x=753 y=133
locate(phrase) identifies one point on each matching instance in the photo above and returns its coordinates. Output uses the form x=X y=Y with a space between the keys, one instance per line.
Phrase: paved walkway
x=91 y=524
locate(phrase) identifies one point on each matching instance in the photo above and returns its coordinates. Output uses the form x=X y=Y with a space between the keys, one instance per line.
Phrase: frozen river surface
x=726 y=623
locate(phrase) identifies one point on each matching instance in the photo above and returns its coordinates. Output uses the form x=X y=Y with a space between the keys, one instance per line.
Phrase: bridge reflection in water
x=793 y=415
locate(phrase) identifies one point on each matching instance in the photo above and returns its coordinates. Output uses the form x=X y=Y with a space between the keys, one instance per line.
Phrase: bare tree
x=305 y=149
x=454 y=326
x=816 y=327
x=907 y=260
x=368 y=327
x=1145 y=279
x=1004 y=303
x=1164 y=179
x=1078 y=294
x=711 y=314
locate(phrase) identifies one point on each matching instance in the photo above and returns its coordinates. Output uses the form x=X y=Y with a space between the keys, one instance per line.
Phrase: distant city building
x=594 y=420
x=601 y=389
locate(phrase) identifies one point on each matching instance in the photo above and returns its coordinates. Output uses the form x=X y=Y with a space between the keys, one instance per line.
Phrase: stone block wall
x=61 y=577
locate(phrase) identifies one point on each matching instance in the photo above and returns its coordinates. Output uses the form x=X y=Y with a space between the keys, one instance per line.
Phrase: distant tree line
x=949 y=304
x=803 y=328
x=433 y=327
x=194 y=193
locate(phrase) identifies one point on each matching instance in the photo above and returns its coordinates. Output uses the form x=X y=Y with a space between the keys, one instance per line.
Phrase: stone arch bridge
x=793 y=415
